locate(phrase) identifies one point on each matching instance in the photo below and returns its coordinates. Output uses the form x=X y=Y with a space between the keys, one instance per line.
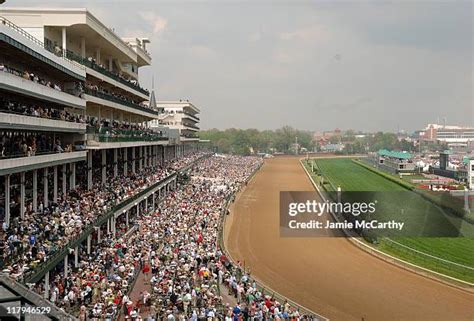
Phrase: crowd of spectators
x=40 y=234
x=29 y=75
x=114 y=129
x=116 y=95
x=176 y=247
x=133 y=82
x=25 y=144
x=92 y=62
x=19 y=108
x=189 y=272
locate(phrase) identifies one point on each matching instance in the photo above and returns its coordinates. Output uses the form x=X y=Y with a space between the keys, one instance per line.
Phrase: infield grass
x=451 y=256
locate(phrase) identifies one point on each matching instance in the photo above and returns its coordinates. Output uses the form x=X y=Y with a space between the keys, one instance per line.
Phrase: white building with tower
x=74 y=117
x=181 y=115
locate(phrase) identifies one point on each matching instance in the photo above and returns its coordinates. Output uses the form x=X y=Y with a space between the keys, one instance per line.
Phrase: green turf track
x=353 y=177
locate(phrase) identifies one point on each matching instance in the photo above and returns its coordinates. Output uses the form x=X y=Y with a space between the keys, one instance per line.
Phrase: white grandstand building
x=181 y=115
x=74 y=115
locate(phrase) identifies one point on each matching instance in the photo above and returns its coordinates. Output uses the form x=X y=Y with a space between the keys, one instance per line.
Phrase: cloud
x=309 y=33
x=202 y=51
x=158 y=23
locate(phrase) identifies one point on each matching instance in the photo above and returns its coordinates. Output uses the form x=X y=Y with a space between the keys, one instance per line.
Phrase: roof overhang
x=79 y=22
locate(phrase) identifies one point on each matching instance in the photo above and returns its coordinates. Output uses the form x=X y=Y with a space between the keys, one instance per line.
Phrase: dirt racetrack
x=326 y=274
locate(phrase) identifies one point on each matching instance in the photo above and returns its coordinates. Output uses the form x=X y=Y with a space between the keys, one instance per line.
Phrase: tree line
x=250 y=141
x=283 y=140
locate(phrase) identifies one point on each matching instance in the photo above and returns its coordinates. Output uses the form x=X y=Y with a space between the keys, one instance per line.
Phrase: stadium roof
x=394 y=154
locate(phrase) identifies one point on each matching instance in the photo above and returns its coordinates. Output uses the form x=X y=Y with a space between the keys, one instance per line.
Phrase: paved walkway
x=227 y=298
x=141 y=285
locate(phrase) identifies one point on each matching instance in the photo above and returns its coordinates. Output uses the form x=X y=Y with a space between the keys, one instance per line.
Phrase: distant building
x=395 y=162
x=332 y=148
x=181 y=115
x=454 y=136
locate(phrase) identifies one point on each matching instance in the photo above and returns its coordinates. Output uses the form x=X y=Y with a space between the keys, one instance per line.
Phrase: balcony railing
x=192 y=126
x=111 y=135
x=117 y=100
x=191 y=115
x=86 y=62
x=28 y=36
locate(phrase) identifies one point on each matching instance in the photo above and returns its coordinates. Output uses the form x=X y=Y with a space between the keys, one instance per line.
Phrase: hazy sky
x=368 y=65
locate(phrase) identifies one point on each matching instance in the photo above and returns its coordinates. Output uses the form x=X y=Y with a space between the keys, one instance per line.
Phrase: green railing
x=123 y=138
x=114 y=99
x=58 y=255
x=86 y=62
x=111 y=135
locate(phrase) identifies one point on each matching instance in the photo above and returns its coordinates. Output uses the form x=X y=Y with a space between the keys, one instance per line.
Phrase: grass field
x=450 y=255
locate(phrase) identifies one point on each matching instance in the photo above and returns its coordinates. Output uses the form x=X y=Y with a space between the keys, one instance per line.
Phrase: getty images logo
x=319 y=208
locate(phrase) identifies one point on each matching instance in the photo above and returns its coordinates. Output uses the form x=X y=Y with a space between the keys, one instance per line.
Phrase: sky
x=314 y=65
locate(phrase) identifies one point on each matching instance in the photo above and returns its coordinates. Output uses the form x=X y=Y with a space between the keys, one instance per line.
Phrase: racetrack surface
x=326 y=274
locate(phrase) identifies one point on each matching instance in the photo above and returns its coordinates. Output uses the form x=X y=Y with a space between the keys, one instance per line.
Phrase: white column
x=7 y=199
x=108 y=226
x=104 y=166
x=83 y=47
x=55 y=183
x=46 y=286
x=126 y=219
x=115 y=162
x=98 y=234
x=89 y=169
x=133 y=160
x=153 y=195
x=35 y=190
x=64 y=179
x=145 y=159
x=89 y=244
x=72 y=178
x=76 y=256
x=140 y=154
x=97 y=55
x=45 y=187
x=66 y=267
x=22 y=195
x=64 y=40
x=113 y=225
x=146 y=205
x=125 y=161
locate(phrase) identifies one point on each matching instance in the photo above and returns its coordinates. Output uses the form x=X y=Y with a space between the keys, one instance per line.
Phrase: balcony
x=111 y=135
x=20 y=121
x=191 y=116
x=194 y=127
x=13 y=83
x=26 y=163
x=121 y=102
x=22 y=40
x=92 y=65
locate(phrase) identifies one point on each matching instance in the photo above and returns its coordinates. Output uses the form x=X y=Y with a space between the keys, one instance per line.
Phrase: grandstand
x=78 y=160
x=394 y=161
